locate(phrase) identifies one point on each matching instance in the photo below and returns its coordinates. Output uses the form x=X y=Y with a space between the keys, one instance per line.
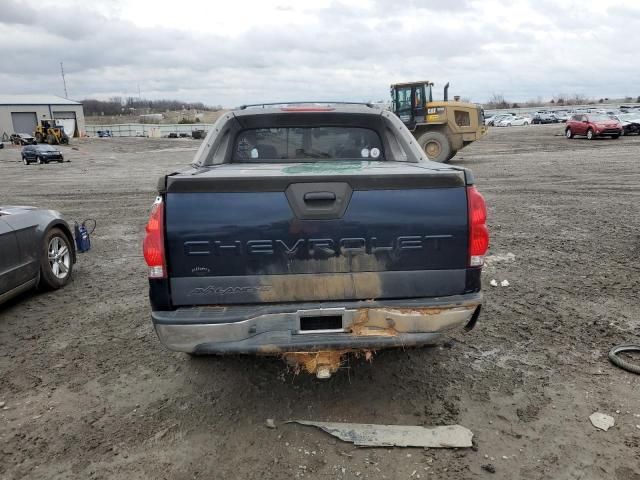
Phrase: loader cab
x=409 y=101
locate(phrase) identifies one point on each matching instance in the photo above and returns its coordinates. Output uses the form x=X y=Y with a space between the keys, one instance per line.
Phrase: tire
x=25 y=161
x=590 y=134
x=61 y=160
x=436 y=145
x=568 y=133
x=39 y=160
x=526 y=123
x=56 y=260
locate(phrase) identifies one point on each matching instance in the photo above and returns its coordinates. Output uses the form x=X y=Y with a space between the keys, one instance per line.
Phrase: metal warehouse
x=21 y=114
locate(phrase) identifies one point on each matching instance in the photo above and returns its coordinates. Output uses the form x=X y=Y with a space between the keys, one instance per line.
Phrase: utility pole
x=64 y=82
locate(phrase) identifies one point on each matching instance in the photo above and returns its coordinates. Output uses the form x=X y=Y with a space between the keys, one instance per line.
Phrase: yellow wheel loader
x=49 y=132
x=440 y=127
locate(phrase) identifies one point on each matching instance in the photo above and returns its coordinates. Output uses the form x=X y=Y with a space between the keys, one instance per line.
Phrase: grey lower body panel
x=273 y=329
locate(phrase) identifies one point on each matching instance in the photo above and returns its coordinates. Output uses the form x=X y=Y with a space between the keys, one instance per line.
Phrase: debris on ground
x=162 y=433
x=270 y=423
x=489 y=468
x=504 y=283
x=2 y=404
x=370 y=435
x=602 y=420
x=493 y=282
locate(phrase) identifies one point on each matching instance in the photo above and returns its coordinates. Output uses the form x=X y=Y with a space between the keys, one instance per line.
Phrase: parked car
x=540 y=118
x=104 y=133
x=593 y=125
x=198 y=134
x=514 y=121
x=332 y=233
x=492 y=121
x=37 y=250
x=22 y=139
x=562 y=116
x=40 y=154
x=630 y=123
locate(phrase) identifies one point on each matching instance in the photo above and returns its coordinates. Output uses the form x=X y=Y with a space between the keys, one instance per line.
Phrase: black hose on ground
x=619 y=362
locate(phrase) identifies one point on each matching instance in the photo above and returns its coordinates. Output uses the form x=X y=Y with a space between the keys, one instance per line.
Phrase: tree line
x=498 y=101
x=139 y=106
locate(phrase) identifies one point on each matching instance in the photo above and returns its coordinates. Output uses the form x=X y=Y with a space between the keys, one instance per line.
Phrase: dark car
x=630 y=123
x=41 y=154
x=36 y=249
x=543 y=118
x=332 y=232
x=22 y=139
x=104 y=133
x=592 y=125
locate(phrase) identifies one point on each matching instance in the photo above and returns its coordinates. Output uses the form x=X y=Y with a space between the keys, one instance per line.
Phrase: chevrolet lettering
x=312 y=246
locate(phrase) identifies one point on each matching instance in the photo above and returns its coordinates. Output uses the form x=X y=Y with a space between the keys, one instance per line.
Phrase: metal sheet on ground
x=371 y=435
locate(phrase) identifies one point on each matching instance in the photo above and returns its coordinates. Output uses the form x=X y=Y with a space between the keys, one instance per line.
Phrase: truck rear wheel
x=436 y=145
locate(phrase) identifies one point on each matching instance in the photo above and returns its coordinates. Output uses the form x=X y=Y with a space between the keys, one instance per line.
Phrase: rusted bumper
x=280 y=329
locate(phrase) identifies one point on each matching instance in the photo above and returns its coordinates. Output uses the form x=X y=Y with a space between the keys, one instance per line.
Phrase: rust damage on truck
x=324 y=363
x=380 y=322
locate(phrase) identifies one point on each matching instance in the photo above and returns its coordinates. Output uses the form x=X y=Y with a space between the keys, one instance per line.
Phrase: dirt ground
x=89 y=392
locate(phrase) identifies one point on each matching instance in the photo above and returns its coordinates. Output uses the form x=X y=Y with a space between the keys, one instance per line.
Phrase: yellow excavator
x=50 y=132
x=440 y=127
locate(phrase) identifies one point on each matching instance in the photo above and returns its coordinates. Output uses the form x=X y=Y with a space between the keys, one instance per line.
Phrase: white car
x=516 y=121
x=494 y=119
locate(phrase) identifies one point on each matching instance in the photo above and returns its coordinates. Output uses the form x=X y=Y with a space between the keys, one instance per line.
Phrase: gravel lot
x=90 y=393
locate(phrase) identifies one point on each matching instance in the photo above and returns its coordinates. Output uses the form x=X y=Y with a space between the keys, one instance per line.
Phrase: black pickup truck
x=313 y=231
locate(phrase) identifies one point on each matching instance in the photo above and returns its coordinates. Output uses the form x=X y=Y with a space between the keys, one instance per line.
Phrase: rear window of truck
x=311 y=144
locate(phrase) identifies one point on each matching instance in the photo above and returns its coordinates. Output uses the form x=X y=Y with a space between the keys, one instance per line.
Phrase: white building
x=21 y=114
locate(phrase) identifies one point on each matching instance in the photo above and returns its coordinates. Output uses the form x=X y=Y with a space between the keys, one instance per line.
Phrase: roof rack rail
x=272 y=104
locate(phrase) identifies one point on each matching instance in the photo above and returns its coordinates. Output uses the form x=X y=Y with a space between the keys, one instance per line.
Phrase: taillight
x=478 y=232
x=153 y=245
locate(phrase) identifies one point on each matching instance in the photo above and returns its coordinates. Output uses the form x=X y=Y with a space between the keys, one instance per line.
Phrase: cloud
x=247 y=51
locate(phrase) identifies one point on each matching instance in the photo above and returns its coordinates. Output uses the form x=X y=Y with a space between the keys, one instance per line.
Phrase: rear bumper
x=273 y=329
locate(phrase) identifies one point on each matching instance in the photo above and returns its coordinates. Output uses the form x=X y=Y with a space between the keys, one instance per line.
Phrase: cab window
x=403 y=99
x=275 y=145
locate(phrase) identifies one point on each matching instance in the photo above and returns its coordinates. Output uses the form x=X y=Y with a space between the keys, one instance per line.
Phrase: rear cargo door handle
x=319 y=201
x=319 y=196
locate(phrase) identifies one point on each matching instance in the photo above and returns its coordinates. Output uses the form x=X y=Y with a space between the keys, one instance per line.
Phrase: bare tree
x=497 y=101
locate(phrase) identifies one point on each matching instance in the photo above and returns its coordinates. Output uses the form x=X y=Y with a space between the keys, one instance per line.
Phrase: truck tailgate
x=315 y=232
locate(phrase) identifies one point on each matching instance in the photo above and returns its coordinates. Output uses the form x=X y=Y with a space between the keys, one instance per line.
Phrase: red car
x=592 y=126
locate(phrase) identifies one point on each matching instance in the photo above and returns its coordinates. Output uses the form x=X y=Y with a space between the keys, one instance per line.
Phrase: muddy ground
x=90 y=393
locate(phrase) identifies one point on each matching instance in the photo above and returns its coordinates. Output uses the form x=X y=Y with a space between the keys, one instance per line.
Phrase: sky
x=245 y=51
